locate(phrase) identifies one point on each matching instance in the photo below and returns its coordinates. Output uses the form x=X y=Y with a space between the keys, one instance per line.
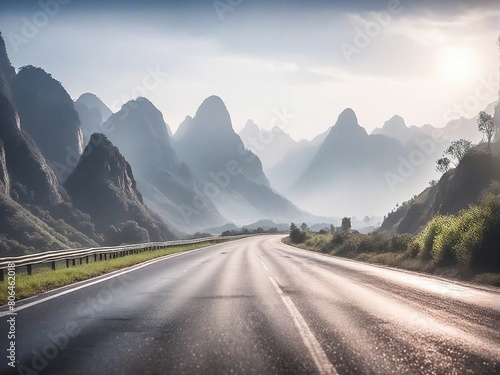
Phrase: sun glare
x=458 y=64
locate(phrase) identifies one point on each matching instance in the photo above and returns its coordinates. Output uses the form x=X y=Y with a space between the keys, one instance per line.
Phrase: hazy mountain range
x=350 y=172
x=75 y=174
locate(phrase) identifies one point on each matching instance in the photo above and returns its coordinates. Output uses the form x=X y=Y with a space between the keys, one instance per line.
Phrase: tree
x=332 y=229
x=304 y=226
x=487 y=125
x=443 y=165
x=296 y=235
x=346 y=224
x=458 y=150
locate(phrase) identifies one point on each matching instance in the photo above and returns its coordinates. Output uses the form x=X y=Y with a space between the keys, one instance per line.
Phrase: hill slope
x=456 y=190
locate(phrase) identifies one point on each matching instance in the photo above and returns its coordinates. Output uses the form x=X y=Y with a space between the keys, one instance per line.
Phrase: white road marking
x=265 y=266
x=87 y=284
x=319 y=356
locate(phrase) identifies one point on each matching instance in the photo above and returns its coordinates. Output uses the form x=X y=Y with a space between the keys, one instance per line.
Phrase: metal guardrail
x=99 y=253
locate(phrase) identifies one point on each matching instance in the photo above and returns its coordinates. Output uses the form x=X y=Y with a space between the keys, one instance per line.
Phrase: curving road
x=256 y=306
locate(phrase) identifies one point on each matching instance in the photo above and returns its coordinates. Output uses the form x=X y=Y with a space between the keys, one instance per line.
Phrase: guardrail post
x=53 y=265
x=28 y=268
x=81 y=261
x=87 y=259
x=2 y=275
x=67 y=263
x=74 y=262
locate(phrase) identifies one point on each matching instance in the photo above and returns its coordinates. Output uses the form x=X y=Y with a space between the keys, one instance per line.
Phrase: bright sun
x=458 y=64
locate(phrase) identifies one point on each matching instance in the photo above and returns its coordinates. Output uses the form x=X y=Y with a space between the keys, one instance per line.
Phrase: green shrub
x=470 y=239
x=297 y=236
x=426 y=238
x=319 y=242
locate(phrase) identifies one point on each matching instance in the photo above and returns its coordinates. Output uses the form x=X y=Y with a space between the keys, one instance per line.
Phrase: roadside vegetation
x=246 y=231
x=43 y=279
x=464 y=246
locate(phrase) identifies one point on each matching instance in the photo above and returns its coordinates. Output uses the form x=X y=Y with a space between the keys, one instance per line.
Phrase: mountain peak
x=142 y=136
x=395 y=122
x=214 y=114
x=347 y=118
x=102 y=163
x=251 y=126
x=93 y=101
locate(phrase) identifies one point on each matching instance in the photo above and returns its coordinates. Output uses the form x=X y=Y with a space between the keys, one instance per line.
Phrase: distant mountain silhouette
x=461 y=127
x=47 y=113
x=270 y=146
x=347 y=174
x=396 y=128
x=295 y=162
x=103 y=186
x=232 y=175
x=168 y=185
x=92 y=112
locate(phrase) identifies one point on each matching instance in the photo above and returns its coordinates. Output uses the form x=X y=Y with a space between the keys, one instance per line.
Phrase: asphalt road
x=256 y=306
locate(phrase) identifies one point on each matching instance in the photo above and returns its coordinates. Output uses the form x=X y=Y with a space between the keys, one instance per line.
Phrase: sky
x=294 y=64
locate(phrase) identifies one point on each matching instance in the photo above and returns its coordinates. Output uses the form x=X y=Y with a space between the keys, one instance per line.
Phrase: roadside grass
x=43 y=280
x=395 y=252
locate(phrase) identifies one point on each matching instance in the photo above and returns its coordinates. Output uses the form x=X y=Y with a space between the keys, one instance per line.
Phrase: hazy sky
x=308 y=58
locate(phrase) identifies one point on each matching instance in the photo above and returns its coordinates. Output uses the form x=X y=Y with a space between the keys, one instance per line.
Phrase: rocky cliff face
x=29 y=189
x=32 y=179
x=4 y=174
x=5 y=66
x=47 y=113
x=103 y=186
